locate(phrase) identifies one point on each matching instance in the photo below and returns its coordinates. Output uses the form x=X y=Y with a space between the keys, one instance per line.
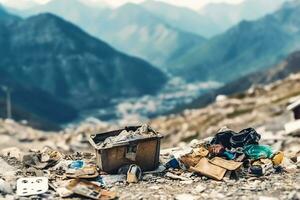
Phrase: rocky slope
x=277 y=72
x=262 y=107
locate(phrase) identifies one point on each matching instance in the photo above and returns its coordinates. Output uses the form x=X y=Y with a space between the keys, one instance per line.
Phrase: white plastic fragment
x=32 y=186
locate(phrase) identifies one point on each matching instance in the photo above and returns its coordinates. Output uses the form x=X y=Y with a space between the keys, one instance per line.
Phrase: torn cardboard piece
x=226 y=164
x=90 y=190
x=85 y=172
x=206 y=168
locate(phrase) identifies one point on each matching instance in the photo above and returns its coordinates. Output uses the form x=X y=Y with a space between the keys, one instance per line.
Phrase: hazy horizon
x=192 y=4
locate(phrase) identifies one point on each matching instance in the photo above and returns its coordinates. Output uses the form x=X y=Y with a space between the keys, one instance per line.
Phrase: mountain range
x=183 y=18
x=129 y=28
x=279 y=71
x=46 y=54
x=247 y=47
x=160 y=33
x=225 y=15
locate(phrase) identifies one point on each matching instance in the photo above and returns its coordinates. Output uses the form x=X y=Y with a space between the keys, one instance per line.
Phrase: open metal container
x=143 y=151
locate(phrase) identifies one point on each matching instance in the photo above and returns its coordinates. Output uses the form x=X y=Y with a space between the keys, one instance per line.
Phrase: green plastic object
x=255 y=151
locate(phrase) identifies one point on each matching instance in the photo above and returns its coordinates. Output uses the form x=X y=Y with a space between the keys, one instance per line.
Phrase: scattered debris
x=134 y=174
x=229 y=156
x=90 y=190
x=77 y=164
x=83 y=173
x=41 y=159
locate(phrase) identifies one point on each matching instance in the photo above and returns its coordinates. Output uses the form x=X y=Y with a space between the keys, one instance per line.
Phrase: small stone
x=12 y=152
x=200 y=188
x=267 y=198
x=187 y=182
x=160 y=180
x=154 y=187
x=5 y=187
x=185 y=197
x=176 y=177
x=294 y=195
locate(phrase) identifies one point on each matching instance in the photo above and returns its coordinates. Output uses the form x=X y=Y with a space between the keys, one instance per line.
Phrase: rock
x=267 y=198
x=294 y=195
x=154 y=187
x=200 y=188
x=217 y=195
x=7 y=171
x=13 y=152
x=176 y=177
x=5 y=187
x=160 y=180
x=187 y=182
x=185 y=197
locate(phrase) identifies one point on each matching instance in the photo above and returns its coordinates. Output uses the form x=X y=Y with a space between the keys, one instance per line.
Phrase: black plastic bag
x=229 y=139
x=245 y=137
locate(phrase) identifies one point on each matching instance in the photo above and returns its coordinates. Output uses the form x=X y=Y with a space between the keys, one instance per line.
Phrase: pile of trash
x=232 y=155
x=50 y=174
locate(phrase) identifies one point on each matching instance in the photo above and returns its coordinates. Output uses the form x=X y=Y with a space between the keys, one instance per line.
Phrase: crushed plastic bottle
x=254 y=151
x=77 y=164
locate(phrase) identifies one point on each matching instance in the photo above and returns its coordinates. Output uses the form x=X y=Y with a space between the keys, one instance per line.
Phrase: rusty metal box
x=143 y=151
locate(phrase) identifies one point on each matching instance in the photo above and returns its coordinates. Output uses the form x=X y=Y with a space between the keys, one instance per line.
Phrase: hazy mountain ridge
x=225 y=15
x=277 y=72
x=129 y=28
x=133 y=29
x=182 y=18
x=245 y=48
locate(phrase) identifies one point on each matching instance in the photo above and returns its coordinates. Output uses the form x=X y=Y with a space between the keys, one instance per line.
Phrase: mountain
x=53 y=55
x=250 y=46
x=129 y=28
x=39 y=108
x=225 y=15
x=133 y=29
x=286 y=67
x=183 y=18
x=5 y=17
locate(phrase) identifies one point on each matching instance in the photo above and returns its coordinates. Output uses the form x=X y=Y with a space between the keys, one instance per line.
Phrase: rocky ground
x=263 y=108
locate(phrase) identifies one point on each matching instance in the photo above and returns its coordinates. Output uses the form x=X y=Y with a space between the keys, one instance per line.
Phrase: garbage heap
x=232 y=155
x=128 y=156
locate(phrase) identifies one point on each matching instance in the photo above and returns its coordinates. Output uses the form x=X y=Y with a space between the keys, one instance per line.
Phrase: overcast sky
x=194 y=4
x=187 y=3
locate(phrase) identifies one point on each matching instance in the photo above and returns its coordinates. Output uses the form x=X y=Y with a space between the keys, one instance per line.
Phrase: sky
x=188 y=3
x=193 y=4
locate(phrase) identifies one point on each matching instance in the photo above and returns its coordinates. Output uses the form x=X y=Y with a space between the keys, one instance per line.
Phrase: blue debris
x=77 y=164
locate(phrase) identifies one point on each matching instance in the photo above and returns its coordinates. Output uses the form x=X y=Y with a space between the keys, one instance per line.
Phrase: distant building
x=294 y=126
x=295 y=108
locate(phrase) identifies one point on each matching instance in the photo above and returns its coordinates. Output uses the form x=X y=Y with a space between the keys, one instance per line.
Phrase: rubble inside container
x=128 y=135
x=226 y=159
